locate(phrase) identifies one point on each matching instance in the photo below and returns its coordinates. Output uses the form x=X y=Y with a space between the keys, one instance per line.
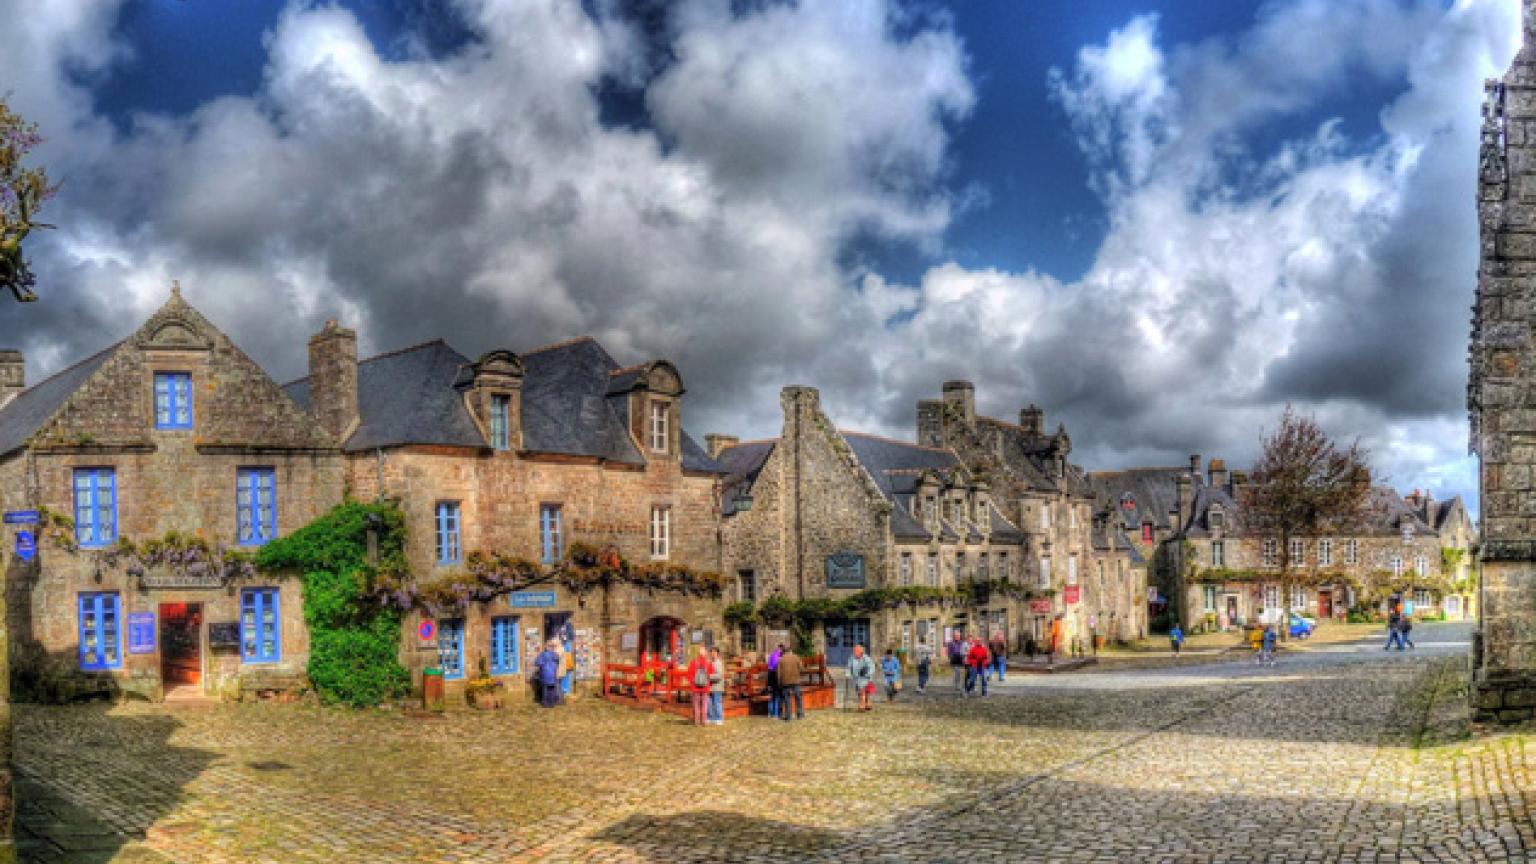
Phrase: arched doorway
x=664 y=639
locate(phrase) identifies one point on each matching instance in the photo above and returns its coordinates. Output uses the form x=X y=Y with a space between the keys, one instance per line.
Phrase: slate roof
x=896 y=467
x=24 y=415
x=1153 y=493
x=1385 y=510
x=409 y=397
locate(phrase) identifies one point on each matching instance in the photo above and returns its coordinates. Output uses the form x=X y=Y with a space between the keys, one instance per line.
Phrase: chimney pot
x=1194 y=464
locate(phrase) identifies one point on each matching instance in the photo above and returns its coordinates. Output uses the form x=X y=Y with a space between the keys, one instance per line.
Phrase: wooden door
x=181 y=643
x=1324 y=605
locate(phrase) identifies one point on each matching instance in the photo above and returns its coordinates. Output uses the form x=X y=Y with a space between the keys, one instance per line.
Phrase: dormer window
x=659 y=427
x=1407 y=531
x=173 y=400
x=1217 y=518
x=930 y=510
x=501 y=425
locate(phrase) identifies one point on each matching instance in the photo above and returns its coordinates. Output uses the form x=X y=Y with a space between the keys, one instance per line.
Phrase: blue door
x=842 y=636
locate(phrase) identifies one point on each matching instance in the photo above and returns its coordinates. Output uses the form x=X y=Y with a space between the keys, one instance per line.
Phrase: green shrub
x=354 y=639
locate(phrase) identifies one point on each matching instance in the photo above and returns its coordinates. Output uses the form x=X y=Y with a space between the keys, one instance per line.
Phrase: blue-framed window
x=449 y=545
x=261 y=629
x=450 y=647
x=173 y=400
x=504 y=635
x=101 y=639
x=551 y=533
x=255 y=506
x=501 y=425
x=95 y=506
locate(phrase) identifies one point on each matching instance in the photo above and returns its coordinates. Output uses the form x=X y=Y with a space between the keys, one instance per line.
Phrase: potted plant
x=482 y=691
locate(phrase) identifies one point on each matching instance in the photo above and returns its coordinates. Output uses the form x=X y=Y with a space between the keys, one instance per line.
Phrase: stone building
x=1032 y=479
x=1501 y=393
x=523 y=454
x=172 y=433
x=1215 y=573
x=823 y=512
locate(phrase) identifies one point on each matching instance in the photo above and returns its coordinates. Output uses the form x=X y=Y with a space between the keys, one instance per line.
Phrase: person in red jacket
x=698 y=673
x=977 y=659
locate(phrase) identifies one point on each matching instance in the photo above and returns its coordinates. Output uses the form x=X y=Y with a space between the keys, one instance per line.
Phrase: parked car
x=1301 y=626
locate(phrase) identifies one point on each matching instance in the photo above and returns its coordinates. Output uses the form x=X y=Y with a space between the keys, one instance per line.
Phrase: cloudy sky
x=1161 y=221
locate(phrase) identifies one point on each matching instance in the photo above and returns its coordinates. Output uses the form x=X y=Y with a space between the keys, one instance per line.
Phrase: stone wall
x=1501 y=397
x=500 y=495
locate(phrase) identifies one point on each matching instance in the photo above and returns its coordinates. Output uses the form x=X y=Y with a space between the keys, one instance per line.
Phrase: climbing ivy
x=354 y=641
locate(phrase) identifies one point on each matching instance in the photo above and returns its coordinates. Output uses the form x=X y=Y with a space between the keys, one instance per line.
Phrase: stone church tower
x=1501 y=393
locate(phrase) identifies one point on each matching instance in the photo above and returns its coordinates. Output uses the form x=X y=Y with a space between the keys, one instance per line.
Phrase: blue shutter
x=504 y=645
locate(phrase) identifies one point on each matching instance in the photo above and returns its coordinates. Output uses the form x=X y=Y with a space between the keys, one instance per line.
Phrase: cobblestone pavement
x=1345 y=754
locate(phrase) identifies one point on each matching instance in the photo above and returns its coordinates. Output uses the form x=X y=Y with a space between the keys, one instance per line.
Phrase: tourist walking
x=924 y=665
x=1394 y=631
x=1267 y=652
x=789 y=687
x=999 y=649
x=547 y=665
x=956 y=649
x=890 y=667
x=775 y=692
x=977 y=660
x=1176 y=636
x=861 y=674
x=716 y=712
x=1403 y=629
x=698 y=685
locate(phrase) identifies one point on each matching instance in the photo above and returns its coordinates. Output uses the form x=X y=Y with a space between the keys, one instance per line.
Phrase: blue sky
x=1161 y=221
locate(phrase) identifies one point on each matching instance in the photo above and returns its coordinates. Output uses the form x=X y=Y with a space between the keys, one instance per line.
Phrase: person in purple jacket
x=775 y=692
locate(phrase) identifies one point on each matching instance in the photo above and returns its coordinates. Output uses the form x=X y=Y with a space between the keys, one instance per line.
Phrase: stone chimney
x=13 y=375
x=333 y=379
x=1194 y=464
x=960 y=398
x=1239 y=478
x=1218 y=473
x=930 y=422
x=1186 y=499
x=1033 y=420
x=715 y=444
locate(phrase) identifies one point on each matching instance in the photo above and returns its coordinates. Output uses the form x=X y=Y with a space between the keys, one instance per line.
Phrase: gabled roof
x=34 y=406
x=886 y=458
x=412 y=396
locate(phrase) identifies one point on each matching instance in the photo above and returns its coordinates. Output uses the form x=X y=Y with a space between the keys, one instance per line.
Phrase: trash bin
x=432 y=689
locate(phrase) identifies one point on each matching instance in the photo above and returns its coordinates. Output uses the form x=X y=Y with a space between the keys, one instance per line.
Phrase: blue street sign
x=26 y=547
x=22 y=517
x=531 y=598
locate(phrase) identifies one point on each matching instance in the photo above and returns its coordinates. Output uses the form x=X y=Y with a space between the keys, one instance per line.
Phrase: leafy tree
x=22 y=193
x=1304 y=485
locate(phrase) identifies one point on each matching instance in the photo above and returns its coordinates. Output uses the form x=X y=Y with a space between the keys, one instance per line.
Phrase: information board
x=224 y=634
x=141 y=632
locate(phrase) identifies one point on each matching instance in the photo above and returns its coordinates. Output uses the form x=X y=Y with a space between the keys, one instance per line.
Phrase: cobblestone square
x=1339 y=753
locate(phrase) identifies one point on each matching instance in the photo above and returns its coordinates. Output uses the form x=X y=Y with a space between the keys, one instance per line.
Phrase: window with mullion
x=450 y=647
x=95 y=506
x=260 y=626
x=255 y=506
x=448 y=537
x=550 y=533
x=100 y=638
x=173 y=400
x=661 y=532
x=504 y=636
x=501 y=426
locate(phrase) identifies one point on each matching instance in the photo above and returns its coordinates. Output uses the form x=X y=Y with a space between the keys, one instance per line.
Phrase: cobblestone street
x=1340 y=753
